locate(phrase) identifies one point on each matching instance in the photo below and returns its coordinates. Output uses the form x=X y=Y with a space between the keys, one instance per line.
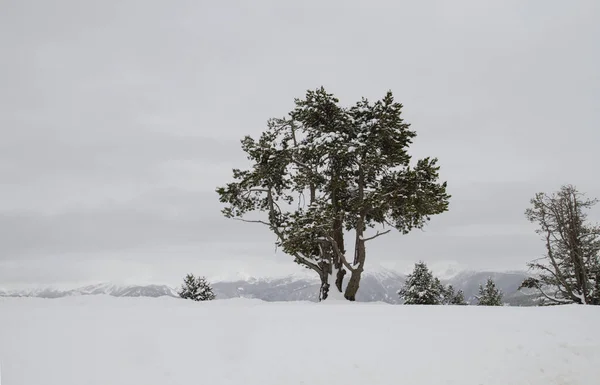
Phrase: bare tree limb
x=553 y=299
x=338 y=253
x=252 y=221
x=301 y=164
x=376 y=235
x=557 y=269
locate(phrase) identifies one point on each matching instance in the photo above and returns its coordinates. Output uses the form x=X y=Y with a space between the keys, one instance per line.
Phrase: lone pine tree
x=489 y=295
x=196 y=289
x=325 y=171
x=422 y=288
x=569 y=272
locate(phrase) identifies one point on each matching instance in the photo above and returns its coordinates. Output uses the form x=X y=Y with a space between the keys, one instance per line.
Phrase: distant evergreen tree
x=421 y=287
x=489 y=295
x=196 y=289
x=448 y=294
x=459 y=298
x=189 y=289
x=453 y=298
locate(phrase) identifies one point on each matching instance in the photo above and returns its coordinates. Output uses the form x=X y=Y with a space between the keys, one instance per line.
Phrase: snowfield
x=105 y=340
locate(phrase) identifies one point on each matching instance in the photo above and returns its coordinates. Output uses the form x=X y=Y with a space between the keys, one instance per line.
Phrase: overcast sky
x=119 y=119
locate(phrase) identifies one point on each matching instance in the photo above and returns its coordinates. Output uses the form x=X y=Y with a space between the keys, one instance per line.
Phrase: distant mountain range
x=377 y=285
x=508 y=282
x=103 y=288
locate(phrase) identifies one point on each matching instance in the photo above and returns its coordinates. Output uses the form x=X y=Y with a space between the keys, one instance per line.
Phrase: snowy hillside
x=156 y=341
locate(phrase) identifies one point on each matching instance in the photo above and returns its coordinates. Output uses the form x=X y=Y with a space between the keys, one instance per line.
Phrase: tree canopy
x=325 y=170
x=196 y=289
x=422 y=288
x=489 y=295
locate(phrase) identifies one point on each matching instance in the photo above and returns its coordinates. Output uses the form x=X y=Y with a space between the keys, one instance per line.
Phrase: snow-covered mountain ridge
x=377 y=285
x=111 y=289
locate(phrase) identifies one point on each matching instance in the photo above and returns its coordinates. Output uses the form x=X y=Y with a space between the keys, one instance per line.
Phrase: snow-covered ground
x=106 y=340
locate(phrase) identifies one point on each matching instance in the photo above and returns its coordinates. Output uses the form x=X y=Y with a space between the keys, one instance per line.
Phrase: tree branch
x=555 y=300
x=272 y=213
x=337 y=251
x=252 y=221
x=376 y=235
x=558 y=275
x=301 y=164
x=557 y=285
x=305 y=261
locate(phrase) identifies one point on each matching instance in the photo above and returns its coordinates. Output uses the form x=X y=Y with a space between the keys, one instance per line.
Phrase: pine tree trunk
x=338 y=235
x=573 y=229
x=360 y=251
x=353 y=285
x=354 y=282
x=324 y=290
x=359 y=261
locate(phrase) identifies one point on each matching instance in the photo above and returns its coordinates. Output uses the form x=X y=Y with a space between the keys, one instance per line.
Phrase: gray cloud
x=122 y=156
x=169 y=217
x=119 y=118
